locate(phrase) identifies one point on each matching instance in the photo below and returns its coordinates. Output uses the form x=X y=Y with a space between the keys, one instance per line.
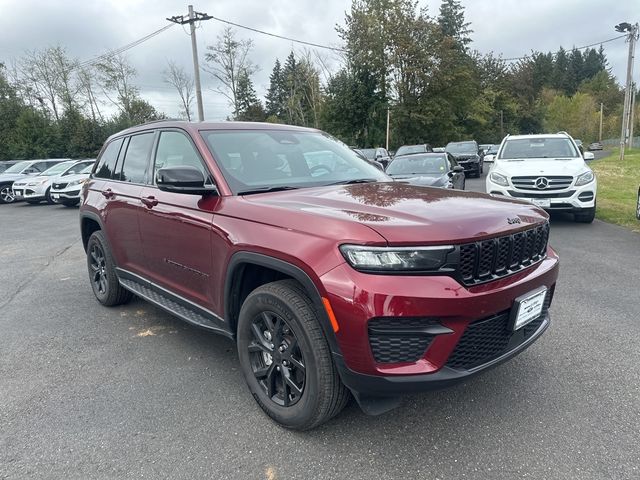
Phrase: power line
x=303 y=42
x=575 y=48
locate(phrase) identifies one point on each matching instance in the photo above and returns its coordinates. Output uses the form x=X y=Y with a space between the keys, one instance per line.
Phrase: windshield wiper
x=355 y=180
x=266 y=190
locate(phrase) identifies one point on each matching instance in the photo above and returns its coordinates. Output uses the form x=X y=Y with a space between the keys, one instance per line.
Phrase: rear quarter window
x=136 y=160
x=107 y=161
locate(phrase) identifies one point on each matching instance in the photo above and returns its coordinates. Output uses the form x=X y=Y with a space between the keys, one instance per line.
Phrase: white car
x=547 y=170
x=36 y=189
x=490 y=154
x=66 y=190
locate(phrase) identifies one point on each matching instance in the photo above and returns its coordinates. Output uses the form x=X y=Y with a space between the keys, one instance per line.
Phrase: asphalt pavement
x=130 y=392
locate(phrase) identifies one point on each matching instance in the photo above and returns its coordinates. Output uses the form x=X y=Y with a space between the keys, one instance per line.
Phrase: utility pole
x=632 y=113
x=388 y=121
x=600 y=134
x=631 y=38
x=191 y=19
x=501 y=125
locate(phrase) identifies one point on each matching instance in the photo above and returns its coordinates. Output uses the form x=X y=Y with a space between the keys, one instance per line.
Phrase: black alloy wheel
x=6 y=194
x=276 y=360
x=97 y=265
x=102 y=272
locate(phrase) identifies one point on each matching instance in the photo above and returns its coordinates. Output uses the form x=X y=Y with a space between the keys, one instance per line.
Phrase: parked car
x=331 y=284
x=65 y=189
x=428 y=169
x=21 y=170
x=378 y=154
x=468 y=156
x=438 y=149
x=483 y=147
x=410 y=149
x=547 y=170
x=6 y=164
x=375 y=163
x=490 y=154
x=36 y=189
x=595 y=146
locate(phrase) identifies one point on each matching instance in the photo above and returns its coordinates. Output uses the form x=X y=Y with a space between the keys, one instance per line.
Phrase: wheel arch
x=89 y=223
x=239 y=282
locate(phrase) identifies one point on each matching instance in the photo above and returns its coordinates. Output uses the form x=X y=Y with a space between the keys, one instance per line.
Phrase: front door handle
x=150 y=201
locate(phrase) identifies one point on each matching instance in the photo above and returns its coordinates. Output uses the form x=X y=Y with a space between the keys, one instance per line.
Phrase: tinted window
x=174 y=150
x=468 y=148
x=107 y=162
x=136 y=158
x=418 y=164
x=77 y=168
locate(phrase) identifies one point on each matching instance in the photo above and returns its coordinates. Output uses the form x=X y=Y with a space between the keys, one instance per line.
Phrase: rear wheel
x=285 y=357
x=6 y=194
x=102 y=272
x=48 y=198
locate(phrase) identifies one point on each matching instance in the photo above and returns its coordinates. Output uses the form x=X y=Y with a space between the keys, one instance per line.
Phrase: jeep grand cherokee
x=331 y=278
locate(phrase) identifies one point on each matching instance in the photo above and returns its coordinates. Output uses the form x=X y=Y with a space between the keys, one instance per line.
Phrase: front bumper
x=572 y=199
x=70 y=193
x=26 y=192
x=470 y=165
x=358 y=298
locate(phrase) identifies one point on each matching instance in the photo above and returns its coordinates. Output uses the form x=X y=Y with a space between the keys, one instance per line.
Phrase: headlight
x=35 y=184
x=76 y=182
x=499 y=179
x=583 y=179
x=395 y=259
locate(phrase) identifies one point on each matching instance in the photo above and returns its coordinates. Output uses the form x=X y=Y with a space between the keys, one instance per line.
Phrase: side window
x=452 y=161
x=40 y=166
x=175 y=149
x=136 y=159
x=107 y=162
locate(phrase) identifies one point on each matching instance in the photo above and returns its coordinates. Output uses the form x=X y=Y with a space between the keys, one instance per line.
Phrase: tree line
x=394 y=58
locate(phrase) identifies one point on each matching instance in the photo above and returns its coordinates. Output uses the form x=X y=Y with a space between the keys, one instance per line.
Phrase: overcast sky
x=89 y=28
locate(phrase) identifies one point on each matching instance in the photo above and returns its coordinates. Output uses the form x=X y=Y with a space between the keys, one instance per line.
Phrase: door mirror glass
x=183 y=179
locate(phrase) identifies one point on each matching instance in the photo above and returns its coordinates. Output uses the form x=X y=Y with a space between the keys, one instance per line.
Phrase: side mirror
x=183 y=179
x=458 y=169
x=588 y=156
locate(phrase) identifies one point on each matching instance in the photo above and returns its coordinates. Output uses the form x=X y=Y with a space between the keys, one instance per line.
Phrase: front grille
x=546 y=194
x=554 y=182
x=59 y=186
x=499 y=257
x=399 y=339
x=487 y=339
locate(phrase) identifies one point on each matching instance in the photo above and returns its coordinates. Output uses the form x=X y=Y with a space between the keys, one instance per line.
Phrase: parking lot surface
x=130 y=392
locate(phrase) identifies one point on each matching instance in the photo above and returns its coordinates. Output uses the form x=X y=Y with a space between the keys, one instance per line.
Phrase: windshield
x=462 y=147
x=18 y=167
x=418 y=164
x=370 y=153
x=56 y=169
x=78 y=168
x=493 y=149
x=87 y=168
x=252 y=160
x=409 y=149
x=538 y=147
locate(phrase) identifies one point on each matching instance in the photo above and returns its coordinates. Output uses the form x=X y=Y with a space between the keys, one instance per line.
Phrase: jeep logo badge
x=512 y=221
x=541 y=183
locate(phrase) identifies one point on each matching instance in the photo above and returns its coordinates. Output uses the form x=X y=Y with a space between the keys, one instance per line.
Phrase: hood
x=12 y=177
x=25 y=179
x=71 y=178
x=425 y=180
x=540 y=166
x=400 y=213
x=464 y=156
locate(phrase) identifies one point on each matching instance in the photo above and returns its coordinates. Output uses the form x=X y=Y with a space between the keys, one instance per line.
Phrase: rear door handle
x=108 y=193
x=149 y=201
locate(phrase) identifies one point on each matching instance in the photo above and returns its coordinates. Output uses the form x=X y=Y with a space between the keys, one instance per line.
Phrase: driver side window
x=175 y=150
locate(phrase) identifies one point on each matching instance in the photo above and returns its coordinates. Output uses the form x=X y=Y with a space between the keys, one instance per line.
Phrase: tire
x=281 y=312
x=585 y=216
x=6 y=194
x=102 y=272
x=69 y=203
x=47 y=197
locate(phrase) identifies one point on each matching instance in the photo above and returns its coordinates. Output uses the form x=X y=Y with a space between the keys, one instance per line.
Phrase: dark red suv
x=330 y=277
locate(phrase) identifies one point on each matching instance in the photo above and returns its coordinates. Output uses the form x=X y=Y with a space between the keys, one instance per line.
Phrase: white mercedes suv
x=547 y=170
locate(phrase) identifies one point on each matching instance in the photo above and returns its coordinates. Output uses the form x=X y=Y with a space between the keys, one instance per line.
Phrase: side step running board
x=174 y=305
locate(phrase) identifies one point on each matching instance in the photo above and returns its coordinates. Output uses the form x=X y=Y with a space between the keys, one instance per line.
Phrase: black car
x=378 y=154
x=411 y=149
x=468 y=156
x=428 y=169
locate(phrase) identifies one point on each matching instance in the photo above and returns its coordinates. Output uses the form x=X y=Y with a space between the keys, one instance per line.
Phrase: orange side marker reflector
x=332 y=317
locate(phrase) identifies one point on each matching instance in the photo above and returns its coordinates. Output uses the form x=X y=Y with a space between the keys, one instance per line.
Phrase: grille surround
x=555 y=182
x=499 y=257
x=399 y=339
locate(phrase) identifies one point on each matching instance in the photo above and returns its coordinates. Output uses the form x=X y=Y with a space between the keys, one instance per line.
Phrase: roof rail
x=163 y=120
x=562 y=132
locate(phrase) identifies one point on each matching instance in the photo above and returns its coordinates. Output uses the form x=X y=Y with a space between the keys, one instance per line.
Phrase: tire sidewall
x=97 y=238
x=303 y=411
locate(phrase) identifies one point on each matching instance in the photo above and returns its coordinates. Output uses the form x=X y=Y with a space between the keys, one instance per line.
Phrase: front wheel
x=6 y=194
x=285 y=357
x=48 y=197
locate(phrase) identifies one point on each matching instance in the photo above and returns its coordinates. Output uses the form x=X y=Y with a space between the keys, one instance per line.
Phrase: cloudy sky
x=89 y=28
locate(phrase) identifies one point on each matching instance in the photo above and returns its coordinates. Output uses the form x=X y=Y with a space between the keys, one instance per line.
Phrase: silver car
x=36 y=189
x=66 y=189
x=20 y=171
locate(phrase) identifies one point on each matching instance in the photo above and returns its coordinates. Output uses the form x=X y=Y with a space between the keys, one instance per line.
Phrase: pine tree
x=249 y=107
x=452 y=24
x=277 y=93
